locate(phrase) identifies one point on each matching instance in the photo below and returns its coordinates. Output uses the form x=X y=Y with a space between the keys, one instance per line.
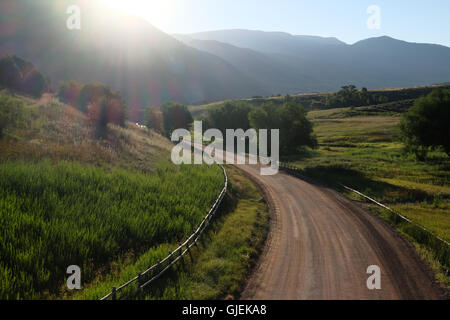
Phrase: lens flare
x=158 y=13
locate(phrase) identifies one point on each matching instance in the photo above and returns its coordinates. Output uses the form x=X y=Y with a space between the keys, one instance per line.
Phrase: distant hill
x=274 y=75
x=268 y=42
x=125 y=52
x=325 y=64
x=150 y=67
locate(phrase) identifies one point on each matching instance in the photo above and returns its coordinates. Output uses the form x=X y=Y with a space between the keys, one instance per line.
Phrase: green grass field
x=218 y=266
x=53 y=216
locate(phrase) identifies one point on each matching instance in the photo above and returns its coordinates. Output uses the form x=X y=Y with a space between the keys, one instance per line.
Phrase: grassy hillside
x=68 y=198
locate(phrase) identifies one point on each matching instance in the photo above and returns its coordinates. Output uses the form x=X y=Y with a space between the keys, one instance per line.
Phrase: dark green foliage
x=21 y=76
x=53 y=216
x=11 y=112
x=350 y=96
x=10 y=74
x=426 y=125
x=296 y=130
x=176 y=116
x=231 y=115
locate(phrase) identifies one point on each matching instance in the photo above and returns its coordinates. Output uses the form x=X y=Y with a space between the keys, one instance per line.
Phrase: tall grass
x=53 y=216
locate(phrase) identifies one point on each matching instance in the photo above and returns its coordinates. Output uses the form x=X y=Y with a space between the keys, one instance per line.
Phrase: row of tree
x=296 y=131
x=21 y=76
x=350 y=96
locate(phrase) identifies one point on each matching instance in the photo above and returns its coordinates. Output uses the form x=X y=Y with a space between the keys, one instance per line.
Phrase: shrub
x=21 y=76
x=425 y=125
x=154 y=119
x=176 y=116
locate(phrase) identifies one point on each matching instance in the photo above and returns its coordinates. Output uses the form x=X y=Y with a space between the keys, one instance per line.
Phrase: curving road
x=321 y=245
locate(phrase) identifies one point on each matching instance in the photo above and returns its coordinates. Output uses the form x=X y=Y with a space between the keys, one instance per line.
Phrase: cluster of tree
x=350 y=96
x=296 y=130
x=100 y=103
x=21 y=76
x=169 y=117
x=426 y=125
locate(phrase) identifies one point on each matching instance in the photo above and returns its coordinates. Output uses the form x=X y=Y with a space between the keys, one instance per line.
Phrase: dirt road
x=321 y=245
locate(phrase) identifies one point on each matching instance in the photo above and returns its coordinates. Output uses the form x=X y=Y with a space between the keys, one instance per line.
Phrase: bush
x=101 y=104
x=176 y=116
x=296 y=130
x=425 y=125
x=69 y=92
x=154 y=119
x=21 y=76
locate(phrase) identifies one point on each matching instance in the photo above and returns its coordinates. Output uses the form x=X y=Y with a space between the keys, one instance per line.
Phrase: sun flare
x=157 y=12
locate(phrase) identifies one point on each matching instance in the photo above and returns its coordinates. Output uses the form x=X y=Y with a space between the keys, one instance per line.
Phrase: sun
x=158 y=12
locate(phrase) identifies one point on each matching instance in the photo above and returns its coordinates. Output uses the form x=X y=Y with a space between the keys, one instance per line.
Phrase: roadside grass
x=429 y=248
x=364 y=153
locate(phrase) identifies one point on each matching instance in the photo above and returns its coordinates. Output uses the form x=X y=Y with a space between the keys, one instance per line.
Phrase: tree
x=426 y=125
x=154 y=119
x=176 y=116
x=10 y=75
x=92 y=93
x=296 y=130
x=230 y=115
x=20 y=75
x=69 y=92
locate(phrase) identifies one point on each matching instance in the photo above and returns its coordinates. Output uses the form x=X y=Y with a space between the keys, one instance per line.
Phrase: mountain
x=327 y=63
x=268 y=42
x=274 y=75
x=122 y=51
x=150 y=67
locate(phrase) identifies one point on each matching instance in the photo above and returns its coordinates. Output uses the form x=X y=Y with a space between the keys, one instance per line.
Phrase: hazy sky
x=415 y=21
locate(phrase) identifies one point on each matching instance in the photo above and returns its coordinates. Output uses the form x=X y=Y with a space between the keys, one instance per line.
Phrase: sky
x=414 y=21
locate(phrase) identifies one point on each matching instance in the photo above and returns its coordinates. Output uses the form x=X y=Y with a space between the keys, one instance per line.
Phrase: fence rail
x=395 y=212
x=148 y=276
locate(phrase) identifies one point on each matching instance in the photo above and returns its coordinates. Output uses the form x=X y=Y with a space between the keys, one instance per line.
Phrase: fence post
x=113 y=293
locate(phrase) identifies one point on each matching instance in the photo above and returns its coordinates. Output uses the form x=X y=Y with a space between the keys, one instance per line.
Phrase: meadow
x=214 y=269
x=53 y=216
